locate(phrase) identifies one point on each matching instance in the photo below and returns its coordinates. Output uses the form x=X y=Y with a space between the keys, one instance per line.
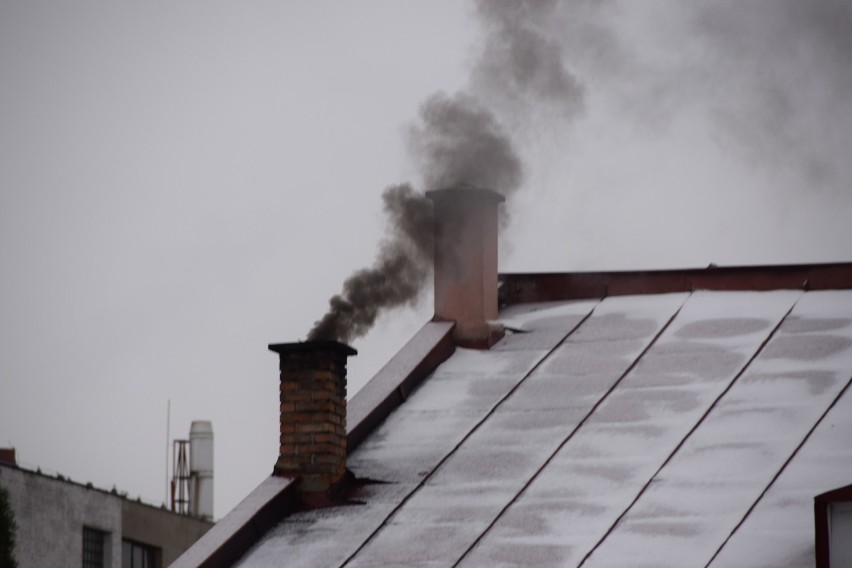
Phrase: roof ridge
x=53 y=475
x=551 y=286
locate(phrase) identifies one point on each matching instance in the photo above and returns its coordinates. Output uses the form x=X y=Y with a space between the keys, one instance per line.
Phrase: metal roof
x=691 y=428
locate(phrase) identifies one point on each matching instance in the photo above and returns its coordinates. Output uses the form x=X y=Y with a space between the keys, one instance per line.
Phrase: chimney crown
x=313 y=414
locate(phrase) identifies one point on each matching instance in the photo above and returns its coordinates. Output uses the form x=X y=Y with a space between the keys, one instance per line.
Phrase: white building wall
x=840 y=537
x=51 y=514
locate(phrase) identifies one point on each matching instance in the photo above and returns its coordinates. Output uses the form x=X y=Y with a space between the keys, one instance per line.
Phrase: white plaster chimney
x=201 y=469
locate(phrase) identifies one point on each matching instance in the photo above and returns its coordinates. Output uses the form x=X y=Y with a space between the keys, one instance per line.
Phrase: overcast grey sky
x=183 y=183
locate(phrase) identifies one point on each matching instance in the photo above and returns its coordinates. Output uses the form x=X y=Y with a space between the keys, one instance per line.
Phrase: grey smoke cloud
x=786 y=67
x=770 y=77
x=522 y=64
x=458 y=141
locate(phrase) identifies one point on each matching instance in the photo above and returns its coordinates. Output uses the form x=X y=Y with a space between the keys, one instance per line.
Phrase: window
x=138 y=555
x=833 y=525
x=93 y=548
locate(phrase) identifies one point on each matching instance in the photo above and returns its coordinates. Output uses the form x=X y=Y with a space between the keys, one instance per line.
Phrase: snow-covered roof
x=680 y=429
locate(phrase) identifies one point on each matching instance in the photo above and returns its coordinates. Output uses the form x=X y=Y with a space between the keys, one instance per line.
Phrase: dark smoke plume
x=395 y=279
x=458 y=141
x=522 y=66
x=772 y=76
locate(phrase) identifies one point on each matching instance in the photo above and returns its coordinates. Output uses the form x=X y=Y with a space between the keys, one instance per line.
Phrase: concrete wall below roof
x=149 y=525
x=50 y=515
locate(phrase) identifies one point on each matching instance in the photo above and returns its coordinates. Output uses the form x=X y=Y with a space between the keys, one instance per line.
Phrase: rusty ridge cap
x=712 y=267
x=549 y=286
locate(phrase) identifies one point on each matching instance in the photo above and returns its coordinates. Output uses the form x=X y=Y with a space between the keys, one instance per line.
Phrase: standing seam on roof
x=688 y=434
x=574 y=431
x=780 y=471
x=468 y=435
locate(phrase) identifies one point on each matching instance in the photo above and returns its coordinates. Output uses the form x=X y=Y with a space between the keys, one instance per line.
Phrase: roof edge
x=122 y=496
x=840 y=494
x=275 y=497
x=239 y=530
x=390 y=387
x=519 y=288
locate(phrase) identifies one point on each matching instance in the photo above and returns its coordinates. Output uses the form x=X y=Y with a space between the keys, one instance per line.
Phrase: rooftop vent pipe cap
x=464 y=190
x=466 y=224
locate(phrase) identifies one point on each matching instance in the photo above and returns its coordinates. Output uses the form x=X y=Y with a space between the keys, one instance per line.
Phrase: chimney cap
x=7 y=455
x=200 y=427
x=465 y=189
x=302 y=346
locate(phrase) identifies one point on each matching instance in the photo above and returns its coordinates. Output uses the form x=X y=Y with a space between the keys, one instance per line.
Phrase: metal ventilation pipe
x=466 y=263
x=201 y=469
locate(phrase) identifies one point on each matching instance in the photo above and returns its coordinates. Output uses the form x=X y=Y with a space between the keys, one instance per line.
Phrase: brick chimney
x=313 y=416
x=466 y=262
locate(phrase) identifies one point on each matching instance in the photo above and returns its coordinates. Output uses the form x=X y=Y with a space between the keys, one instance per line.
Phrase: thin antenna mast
x=168 y=425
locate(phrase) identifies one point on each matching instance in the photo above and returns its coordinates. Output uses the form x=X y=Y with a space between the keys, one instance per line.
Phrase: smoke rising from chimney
x=458 y=141
x=395 y=279
x=789 y=65
x=521 y=67
x=461 y=143
x=770 y=77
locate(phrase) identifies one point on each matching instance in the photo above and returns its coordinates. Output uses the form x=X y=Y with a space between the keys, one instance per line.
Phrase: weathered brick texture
x=313 y=412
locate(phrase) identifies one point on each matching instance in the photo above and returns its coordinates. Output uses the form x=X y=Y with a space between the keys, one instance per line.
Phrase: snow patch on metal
x=444 y=517
x=572 y=504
